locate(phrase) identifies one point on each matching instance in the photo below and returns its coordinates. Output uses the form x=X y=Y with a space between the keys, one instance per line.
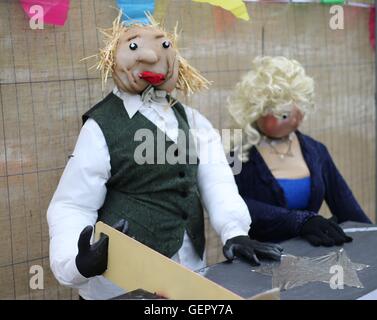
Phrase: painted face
x=279 y=125
x=145 y=56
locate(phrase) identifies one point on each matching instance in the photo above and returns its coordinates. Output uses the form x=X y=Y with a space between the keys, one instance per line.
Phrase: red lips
x=152 y=77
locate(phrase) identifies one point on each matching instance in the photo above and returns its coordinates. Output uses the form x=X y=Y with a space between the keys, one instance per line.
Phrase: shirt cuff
x=231 y=231
x=69 y=275
x=78 y=277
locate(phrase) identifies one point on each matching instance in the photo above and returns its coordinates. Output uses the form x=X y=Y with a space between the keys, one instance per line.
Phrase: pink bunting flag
x=54 y=11
x=372 y=27
x=224 y=19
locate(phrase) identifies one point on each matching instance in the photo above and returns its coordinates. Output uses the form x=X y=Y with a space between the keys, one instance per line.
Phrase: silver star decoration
x=294 y=271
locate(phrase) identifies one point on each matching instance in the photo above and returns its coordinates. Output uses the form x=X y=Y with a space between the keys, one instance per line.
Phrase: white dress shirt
x=82 y=190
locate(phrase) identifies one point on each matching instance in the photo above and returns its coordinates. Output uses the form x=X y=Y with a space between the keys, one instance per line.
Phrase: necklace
x=273 y=142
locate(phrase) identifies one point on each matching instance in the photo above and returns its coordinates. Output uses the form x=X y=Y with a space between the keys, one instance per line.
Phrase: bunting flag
x=352 y=3
x=55 y=12
x=237 y=7
x=134 y=10
x=372 y=27
x=224 y=20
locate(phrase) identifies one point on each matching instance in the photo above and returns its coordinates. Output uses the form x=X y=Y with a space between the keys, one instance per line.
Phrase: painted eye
x=284 y=116
x=166 y=44
x=133 y=46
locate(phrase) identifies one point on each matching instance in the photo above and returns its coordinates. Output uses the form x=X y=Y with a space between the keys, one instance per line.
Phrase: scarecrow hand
x=91 y=260
x=320 y=231
x=244 y=247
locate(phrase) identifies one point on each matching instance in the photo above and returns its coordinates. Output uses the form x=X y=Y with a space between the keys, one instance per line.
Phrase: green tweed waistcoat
x=158 y=197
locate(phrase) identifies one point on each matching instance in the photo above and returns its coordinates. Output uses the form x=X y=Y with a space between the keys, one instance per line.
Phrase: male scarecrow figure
x=159 y=203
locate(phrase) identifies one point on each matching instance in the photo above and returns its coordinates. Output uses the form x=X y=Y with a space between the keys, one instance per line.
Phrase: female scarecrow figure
x=286 y=174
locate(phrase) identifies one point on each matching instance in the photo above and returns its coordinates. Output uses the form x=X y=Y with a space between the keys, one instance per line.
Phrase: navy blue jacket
x=271 y=220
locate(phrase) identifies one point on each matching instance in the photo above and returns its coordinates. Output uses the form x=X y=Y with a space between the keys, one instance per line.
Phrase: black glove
x=320 y=231
x=244 y=247
x=91 y=260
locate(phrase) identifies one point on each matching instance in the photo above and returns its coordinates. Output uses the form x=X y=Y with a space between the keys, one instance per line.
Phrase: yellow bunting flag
x=237 y=7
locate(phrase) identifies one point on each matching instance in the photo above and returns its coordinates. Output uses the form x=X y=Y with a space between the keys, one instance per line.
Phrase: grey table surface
x=239 y=277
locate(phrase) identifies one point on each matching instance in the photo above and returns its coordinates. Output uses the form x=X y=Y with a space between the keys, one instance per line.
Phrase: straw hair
x=189 y=79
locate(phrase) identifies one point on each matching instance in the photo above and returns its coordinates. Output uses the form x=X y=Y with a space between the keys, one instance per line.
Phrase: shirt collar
x=132 y=102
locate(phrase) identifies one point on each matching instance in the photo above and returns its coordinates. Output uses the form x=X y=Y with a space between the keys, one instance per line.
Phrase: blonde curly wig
x=270 y=85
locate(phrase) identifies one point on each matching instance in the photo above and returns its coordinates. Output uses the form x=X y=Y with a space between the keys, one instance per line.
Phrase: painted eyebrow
x=159 y=36
x=133 y=37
